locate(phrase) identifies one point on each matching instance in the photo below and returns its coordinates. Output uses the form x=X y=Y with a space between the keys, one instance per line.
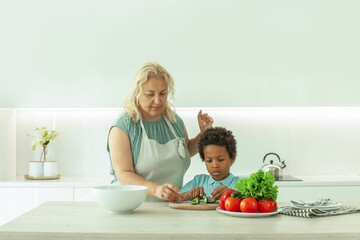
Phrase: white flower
x=42 y=137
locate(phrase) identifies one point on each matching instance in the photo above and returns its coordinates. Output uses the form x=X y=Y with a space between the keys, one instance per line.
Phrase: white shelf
x=63 y=182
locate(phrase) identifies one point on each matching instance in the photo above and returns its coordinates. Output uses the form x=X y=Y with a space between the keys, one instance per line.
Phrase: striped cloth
x=313 y=212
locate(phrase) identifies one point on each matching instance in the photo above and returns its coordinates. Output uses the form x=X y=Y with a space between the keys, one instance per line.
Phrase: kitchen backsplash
x=311 y=140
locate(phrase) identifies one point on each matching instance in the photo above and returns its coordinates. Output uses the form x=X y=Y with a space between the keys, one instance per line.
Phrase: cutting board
x=186 y=205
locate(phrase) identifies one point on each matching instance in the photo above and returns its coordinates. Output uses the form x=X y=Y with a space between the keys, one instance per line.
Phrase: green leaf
x=258 y=185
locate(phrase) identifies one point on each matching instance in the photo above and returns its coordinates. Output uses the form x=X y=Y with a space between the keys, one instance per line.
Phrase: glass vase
x=44 y=152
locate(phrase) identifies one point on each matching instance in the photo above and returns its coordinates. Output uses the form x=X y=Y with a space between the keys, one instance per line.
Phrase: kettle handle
x=271 y=153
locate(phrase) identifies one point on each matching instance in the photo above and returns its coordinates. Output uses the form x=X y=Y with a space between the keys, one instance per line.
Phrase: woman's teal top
x=157 y=130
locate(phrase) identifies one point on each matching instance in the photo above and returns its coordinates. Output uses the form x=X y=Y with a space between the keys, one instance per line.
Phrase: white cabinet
x=52 y=194
x=336 y=193
x=14 y=202
x=84 y=194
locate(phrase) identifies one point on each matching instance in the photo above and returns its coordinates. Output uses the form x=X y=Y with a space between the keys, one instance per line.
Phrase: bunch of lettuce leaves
x=258 y=185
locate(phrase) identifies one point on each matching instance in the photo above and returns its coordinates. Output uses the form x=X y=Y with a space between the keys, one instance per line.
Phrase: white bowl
x=120 y=198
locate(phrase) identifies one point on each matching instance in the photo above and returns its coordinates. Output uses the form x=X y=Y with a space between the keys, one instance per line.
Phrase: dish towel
x=313 y=212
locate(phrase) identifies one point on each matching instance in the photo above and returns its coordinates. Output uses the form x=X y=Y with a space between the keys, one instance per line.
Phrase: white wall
x=7 y=143
x=234 y=53
x=222 y=53
x=312 y=141
x=80 y=149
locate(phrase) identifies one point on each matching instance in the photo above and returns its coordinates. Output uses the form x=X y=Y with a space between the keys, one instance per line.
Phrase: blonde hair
x=149 y=70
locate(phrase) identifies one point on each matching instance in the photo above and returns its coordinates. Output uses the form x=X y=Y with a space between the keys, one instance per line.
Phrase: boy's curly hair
x=217 y=136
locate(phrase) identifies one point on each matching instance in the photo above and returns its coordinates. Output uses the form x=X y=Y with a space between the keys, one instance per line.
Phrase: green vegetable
x=237 y=195
x=195 y=201
x=258 y=185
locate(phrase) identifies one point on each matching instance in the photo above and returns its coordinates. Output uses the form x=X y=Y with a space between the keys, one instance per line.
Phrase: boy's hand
x=196 y=192
x=216 y=194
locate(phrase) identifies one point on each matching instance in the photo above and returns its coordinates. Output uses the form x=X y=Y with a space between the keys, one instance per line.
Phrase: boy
x=217 y=147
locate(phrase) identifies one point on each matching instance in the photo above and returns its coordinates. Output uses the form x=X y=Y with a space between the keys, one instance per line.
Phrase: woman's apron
x=162 y=163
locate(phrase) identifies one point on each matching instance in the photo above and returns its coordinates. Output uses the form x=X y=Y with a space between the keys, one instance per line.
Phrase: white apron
x=162 y=163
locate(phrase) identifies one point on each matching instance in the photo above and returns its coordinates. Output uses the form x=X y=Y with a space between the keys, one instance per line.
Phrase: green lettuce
x=258 y=185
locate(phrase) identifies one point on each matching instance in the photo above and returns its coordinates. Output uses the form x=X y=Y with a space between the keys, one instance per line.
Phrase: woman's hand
x=216 y=194
x=205 y=121
x=168 y=192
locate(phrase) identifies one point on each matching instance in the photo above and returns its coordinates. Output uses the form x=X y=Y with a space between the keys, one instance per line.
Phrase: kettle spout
x=283 y=165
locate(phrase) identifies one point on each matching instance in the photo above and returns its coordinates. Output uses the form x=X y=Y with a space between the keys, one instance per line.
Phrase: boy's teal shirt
x=208 y=183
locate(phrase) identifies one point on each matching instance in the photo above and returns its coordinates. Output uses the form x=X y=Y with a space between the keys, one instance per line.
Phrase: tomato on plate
x=275 y=205
x=222 y=205
x=266 y=206
x=232 y=204
x=249 y=205
x=224 y=196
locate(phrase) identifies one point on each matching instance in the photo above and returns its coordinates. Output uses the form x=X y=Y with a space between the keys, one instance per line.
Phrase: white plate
x=332 y=206
x=327 y=207
x=246 y=215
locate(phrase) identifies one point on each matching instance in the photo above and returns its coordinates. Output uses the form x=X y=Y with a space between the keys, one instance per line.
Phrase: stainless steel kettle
x=274 y=169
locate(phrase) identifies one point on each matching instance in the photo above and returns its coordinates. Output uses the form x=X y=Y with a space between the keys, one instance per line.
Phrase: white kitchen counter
x=62 y=182
x=19 y=195
x=329 y=180
x=86 y=220
x=336 y=187
x=87 y=182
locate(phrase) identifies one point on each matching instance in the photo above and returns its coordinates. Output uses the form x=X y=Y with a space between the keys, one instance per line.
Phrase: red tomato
x=275 y=205
x=232 y=204
x=222 y=205
x=266 y=206
x=249 y=205
x=224 y=196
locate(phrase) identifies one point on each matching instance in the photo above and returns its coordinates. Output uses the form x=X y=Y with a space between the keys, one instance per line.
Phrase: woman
x=148 y=144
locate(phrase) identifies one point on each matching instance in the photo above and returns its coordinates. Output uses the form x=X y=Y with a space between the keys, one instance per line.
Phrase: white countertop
x=62 y=182
x=324 y=180
x=86 y=220
x=88 y=182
